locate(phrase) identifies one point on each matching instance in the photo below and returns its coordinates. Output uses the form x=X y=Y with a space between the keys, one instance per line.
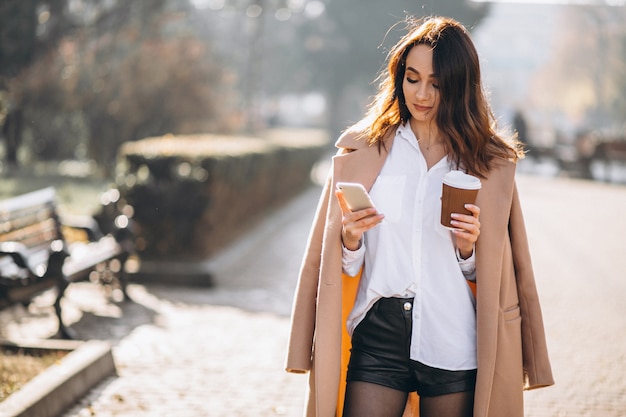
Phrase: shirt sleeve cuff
x=468 y=266
x=351 y=260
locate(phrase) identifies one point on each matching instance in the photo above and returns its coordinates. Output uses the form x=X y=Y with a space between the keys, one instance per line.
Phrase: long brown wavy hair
x=464 y=117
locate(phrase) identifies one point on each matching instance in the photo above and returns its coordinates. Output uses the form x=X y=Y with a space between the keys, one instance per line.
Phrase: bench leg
x=63 y=332
x=123 y=280
x=119 y=274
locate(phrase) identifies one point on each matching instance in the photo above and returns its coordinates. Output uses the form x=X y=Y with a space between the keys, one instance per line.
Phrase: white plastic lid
x=459 y=179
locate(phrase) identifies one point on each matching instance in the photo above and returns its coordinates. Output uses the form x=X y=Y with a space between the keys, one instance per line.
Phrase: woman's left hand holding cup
x=467 y=230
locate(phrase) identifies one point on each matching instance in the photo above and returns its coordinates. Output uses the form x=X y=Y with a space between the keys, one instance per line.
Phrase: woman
x=391 y=283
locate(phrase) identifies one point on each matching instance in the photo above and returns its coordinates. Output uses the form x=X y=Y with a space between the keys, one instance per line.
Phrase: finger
x=464 y=222
x=469 y=234
x=474 y=209
x=466 y=236
x=369 y=221
x=357 y=226
x=361 y=223
x=464 y=219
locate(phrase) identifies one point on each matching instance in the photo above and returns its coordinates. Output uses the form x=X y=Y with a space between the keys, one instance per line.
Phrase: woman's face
x=420 y=88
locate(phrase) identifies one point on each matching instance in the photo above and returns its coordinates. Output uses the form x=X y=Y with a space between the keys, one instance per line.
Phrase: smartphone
x=356 y=195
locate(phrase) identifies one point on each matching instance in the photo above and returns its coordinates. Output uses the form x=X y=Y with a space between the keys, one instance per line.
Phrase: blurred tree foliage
x=586 y=76
x=342 y=51
x=90 y=75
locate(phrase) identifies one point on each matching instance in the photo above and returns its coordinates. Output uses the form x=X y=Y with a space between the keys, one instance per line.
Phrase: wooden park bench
x=36 y=256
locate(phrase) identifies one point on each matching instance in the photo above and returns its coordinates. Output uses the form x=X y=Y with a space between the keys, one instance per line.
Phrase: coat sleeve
x=303 y=317
x=537 y=369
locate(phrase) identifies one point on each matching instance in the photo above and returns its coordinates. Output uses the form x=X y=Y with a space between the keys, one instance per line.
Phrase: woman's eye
x=436 y=86
x=411 y=80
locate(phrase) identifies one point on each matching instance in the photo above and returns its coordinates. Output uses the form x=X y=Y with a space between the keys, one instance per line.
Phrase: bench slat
x=14 y=204
x=83 y=257
x=34 y=234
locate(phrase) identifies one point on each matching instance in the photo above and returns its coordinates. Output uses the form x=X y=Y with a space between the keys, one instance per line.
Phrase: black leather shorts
x=380 y=354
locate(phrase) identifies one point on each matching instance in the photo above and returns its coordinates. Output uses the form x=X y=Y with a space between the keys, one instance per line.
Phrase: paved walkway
x=219 y=352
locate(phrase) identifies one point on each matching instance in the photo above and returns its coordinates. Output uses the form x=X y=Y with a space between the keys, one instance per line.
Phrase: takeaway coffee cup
x=458 y=189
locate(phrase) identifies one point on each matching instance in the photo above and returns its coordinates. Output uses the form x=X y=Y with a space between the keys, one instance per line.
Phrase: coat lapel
x=362 y=163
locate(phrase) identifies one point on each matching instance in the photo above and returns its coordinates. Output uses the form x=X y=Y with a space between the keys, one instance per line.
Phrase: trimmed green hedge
x=194 y=194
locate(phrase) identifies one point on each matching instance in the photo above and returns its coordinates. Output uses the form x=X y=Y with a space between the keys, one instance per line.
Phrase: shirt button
x=407 y=306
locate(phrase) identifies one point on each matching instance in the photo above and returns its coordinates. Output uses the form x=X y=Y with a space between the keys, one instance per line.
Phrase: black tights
x=364 y=399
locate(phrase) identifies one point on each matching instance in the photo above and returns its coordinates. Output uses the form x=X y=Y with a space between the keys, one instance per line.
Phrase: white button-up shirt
x=410 y=254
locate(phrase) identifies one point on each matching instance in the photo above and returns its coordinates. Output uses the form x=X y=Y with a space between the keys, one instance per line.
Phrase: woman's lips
x=421 y=108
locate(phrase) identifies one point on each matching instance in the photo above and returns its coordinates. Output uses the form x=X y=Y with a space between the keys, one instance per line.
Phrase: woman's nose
x=422 y=91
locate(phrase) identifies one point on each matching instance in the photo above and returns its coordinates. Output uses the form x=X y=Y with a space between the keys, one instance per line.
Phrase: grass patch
x=19 y=365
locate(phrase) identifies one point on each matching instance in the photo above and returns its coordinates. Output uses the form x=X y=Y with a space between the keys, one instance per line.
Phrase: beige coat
x=512 y=352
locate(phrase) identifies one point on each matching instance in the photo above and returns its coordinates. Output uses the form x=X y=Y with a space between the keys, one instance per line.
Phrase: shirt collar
x=405 y=132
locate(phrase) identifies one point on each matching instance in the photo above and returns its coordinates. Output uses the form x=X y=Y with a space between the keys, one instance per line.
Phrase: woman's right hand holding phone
x=355 y=223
